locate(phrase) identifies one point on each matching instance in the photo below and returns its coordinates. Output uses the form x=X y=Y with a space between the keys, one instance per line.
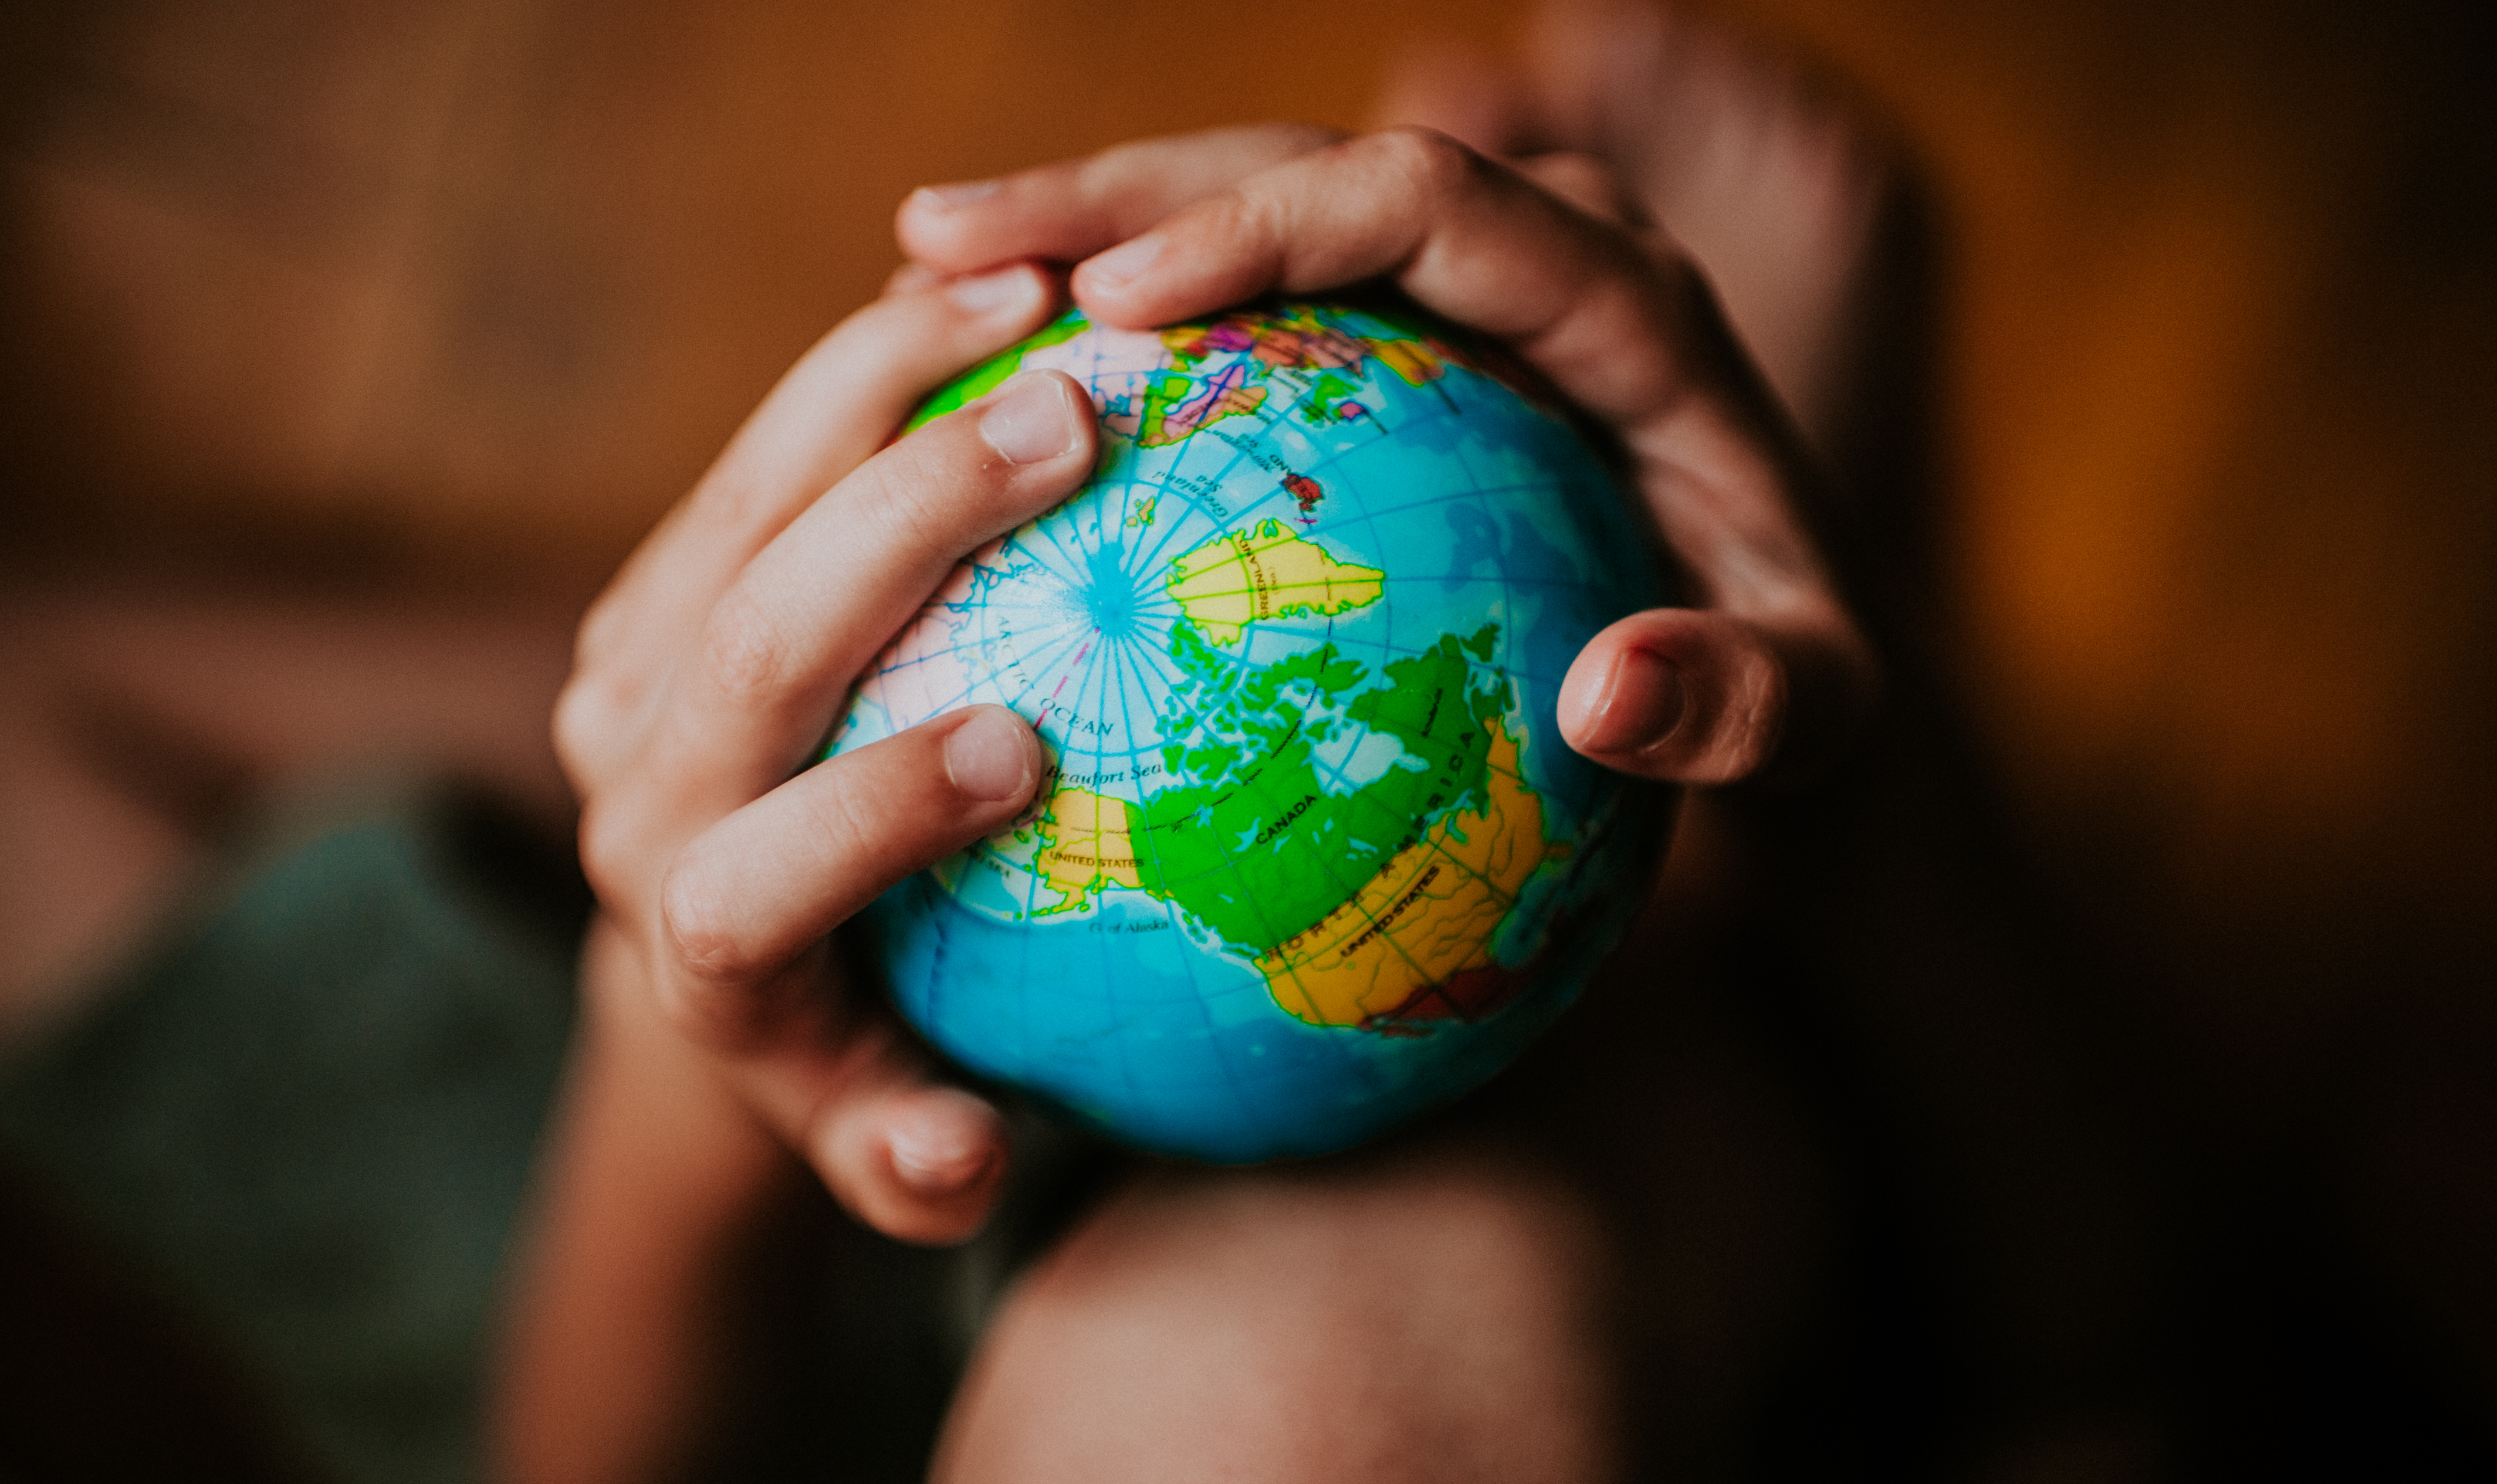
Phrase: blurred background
x=2140 y=1106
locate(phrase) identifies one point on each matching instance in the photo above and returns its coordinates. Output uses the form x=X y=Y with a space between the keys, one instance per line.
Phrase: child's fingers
x=1629 y=331
x=741 y=966
x=832 y=409
x=1464 y=234
x=1076 y=207
x=782 y=645
x=840 y=1083
x=1713 y=477
x=739 y=712
x=1538 y=255
x=750 y=894
x=919 y=1162
x=1631 y=336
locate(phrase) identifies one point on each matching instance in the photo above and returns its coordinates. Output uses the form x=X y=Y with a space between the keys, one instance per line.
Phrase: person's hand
x=708 y=672
x=1769 y=672
x=706 y=679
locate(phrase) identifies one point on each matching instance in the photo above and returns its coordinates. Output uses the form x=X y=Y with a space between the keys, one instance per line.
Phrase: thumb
x=1702 y=696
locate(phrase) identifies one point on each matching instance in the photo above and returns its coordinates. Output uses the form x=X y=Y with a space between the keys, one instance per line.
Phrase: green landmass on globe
x=1313 y=856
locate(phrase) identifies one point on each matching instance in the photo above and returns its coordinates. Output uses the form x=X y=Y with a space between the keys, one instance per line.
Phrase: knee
x=1429 y=1320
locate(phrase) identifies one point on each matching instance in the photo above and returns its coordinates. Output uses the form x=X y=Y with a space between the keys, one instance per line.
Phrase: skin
x=726 y=1060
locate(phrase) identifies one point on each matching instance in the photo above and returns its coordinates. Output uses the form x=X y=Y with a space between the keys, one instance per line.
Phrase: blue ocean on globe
x=1314 y=856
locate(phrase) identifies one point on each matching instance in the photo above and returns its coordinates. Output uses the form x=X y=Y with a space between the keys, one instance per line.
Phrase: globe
x=1313 y=856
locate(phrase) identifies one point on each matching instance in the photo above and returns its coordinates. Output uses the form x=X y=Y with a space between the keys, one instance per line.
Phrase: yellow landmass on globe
x=1411 y=360
x=1264 y=572
x=1429 y=914
x=1085 y=846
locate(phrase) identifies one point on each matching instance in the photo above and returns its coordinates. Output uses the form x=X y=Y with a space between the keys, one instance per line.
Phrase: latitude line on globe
x=1479 y=491
x=1247 y=779
x=1239 y=453
x=1324 y=864
x=1170 y=531
x=1431 y=847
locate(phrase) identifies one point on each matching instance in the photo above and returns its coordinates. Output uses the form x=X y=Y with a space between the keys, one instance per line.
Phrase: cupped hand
x=703 y=682
x=1768 y=674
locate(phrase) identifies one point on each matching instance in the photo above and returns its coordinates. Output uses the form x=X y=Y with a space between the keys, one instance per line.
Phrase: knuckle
x=911 y=278
x=1748 y=717
x=744 y=651
x=1275 y=140
x=575 y=728
x=607 y=836
x=706 y=1010
x=847 y=820
x=1248 y=213
x=704 y=925
x=1435 y=164
x=1743 y=748
x=585 y=725
x=928 y=489
x=1108 y=168
x=1296 y=137
x=743 y=1012
x=601 y=632
x=878 y=329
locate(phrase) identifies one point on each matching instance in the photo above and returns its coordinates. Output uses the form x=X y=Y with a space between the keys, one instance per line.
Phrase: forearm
x=630 y=1317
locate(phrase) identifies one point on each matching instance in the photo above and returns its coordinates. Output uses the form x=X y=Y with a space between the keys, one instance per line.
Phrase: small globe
x=1313 y=856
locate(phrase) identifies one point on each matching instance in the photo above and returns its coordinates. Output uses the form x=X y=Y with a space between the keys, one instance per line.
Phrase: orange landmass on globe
x=1085 y=844
x=1420 y=930
x=1411 y=360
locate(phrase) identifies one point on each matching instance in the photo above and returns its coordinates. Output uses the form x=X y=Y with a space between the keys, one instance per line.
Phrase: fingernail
x=961 y=193
x=1641 y=702
x=1124 y=263
x=985 y=291
x=990 y=756
x=1030 y=421
x=941 y=1143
